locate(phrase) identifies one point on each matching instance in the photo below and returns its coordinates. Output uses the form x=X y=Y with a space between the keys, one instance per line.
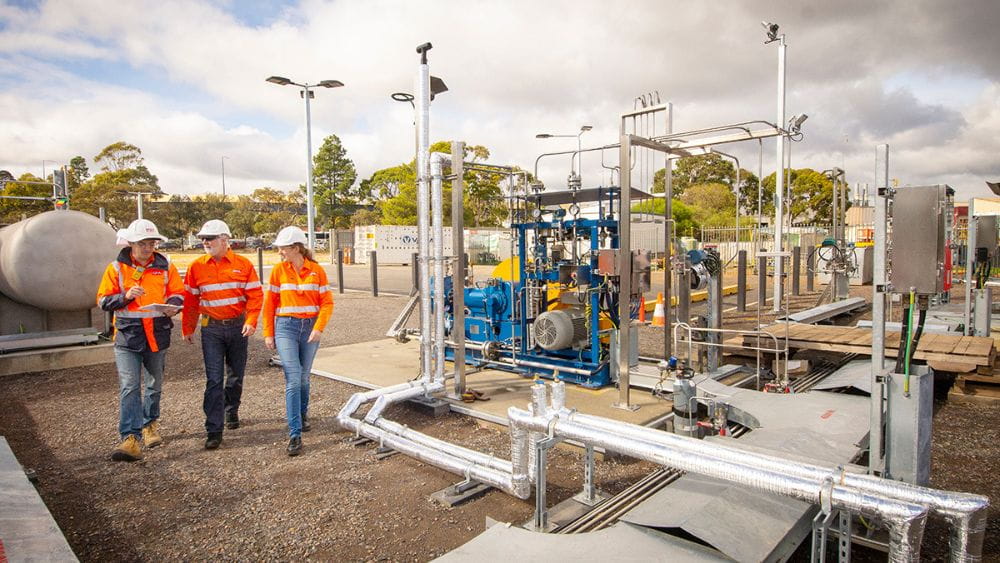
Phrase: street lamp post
x=575 y=181
x=223 y=160
x=772 y=36
x=306 y=94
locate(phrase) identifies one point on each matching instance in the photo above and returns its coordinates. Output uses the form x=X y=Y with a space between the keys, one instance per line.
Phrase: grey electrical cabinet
x=918 y=239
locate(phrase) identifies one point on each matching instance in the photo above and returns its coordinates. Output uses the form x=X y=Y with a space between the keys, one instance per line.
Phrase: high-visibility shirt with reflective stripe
x=158 y=278
x=304 y=293
x=222 y=289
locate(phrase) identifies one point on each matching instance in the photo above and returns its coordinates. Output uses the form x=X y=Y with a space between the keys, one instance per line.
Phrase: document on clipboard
x=164 y=308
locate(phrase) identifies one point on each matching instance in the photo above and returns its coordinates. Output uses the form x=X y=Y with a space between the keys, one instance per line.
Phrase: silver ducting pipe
x=965 y=512
x=906 y=520
x=422 y=103
x=438 y=160
x=469 y=463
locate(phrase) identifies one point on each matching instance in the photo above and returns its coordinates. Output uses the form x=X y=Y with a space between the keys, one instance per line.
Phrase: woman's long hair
x=304 y=251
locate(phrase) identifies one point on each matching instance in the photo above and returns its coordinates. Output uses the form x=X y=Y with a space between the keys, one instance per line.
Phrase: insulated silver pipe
x=422 y=103
x=965 y=512
x=469 y=463
x=438 y=160
x=906 y=520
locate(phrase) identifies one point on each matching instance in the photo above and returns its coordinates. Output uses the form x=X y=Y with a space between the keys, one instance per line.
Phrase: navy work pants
x=225 y=351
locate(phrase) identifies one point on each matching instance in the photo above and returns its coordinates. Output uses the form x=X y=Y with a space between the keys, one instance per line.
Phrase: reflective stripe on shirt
x=222 y=302
x=302 y=309
x=300 y=287
x=123 y=314
x=221 y=286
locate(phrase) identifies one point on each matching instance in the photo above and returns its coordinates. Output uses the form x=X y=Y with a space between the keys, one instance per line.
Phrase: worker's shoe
x=294 y=446
x=151 y=434
x=213 y=441
x=232 y=420
x=128 y=450
x=306 y=427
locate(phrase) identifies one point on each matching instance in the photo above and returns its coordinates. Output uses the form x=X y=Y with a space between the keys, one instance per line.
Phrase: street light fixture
x=779 y=200
x=223 y=160
x=306 y=94
x=574 y=181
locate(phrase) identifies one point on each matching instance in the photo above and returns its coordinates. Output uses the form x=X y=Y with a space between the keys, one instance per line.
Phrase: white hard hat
x=214 y=228
x=289 y=236
x=141 y=229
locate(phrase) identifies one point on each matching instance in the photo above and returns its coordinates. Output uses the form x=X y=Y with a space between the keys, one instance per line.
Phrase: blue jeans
x=290 y=338
x=137 y=410
x=224 y=349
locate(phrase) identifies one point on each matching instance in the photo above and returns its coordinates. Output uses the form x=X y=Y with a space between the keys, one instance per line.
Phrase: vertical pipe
x=796 y=268
x=668 y=248
x=461 y=261
x=373 y=268
x=741 y=280
x=422 y=105
x=437 y=182
x=102 y=214
x=340 y=270
x=415 y=271
x=779 y=175
x=970 y=262
x=761 y=281
x=260 y=262
x=879 y=293
x=310 y=210
x=625 y=271
x=714 y=319
x=810 y=269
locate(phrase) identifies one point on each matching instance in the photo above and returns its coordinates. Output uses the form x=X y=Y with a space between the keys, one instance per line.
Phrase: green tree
x=123 y=171
x=78 y=173
x=812 y=196
x=365 y=217
x=12 y=210
x=713 y=205
x=176 y=217
x=119 y=156
x=684 y=218
x=483 y=202
x=242 y=217
x=691 y=170
x=333 y=182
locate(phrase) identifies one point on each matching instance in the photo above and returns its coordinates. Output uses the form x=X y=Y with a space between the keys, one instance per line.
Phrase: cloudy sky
x=184 y=80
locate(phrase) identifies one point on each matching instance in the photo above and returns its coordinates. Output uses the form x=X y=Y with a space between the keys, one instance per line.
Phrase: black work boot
x=306 y=427
x=232 y=420
x=295 y=446
x=213 y=440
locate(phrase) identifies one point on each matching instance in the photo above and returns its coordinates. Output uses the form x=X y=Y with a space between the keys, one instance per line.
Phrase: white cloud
x=514 y=69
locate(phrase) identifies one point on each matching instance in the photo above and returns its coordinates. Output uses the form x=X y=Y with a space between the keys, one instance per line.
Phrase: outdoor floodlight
x=771 y=29
x=437 y=86
x=795 y=123
x=279 y=80
x=543 y=136
x=586 y=128
x=994 y=187
x=330 y=83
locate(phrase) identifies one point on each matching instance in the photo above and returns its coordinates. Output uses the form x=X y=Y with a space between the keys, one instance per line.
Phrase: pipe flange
x=826 y=495
x=491 y=350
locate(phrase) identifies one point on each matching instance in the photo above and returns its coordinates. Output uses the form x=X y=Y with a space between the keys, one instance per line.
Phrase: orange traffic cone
x=642 y=309
x=659 y=315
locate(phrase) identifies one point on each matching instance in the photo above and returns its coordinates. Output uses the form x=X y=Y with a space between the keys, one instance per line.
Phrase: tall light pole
x=575 y=181
x=223 y=160
x=43 y=166
x=779 y=175
x=306 y=94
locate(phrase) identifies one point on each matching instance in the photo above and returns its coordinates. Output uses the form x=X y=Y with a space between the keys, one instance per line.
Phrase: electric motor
x=561 y=328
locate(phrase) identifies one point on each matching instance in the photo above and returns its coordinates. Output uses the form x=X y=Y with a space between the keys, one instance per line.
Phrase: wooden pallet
x=943 y=352
x=975 y=388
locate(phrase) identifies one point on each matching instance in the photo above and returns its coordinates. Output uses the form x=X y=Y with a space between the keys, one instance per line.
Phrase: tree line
x=705 y=192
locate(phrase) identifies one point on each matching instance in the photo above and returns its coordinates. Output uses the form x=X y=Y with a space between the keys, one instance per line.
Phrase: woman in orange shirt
x=297 y=306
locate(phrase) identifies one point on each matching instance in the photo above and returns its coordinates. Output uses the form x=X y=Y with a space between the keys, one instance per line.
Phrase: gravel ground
x=249 y=501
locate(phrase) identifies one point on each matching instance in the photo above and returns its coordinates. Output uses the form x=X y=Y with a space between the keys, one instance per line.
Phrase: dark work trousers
x=225 y=351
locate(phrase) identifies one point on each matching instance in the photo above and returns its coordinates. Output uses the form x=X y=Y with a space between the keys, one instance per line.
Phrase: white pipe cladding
x=965 y=512
x=422 y=91
x=906 y=519
x=438 y=160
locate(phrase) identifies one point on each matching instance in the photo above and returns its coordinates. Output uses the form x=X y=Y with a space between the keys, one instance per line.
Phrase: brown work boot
x=128 y=450
x=151 y=434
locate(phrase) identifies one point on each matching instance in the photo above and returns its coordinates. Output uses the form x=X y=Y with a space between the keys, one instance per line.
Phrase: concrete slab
x=621 y=542
x=32 y=361
x=381 y=363
x=27 y=530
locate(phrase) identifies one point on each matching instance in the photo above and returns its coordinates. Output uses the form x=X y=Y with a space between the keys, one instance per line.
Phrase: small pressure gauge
x=536 y=213
x=574 y=209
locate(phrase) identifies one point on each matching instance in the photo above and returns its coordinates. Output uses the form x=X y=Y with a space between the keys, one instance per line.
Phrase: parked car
x=237 y=243
x=170 y=244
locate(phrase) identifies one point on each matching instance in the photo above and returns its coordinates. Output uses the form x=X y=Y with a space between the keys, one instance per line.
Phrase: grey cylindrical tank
x=54 y=260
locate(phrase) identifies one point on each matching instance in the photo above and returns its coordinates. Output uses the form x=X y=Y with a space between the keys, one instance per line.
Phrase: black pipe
x=916 y=335
x=904 y=331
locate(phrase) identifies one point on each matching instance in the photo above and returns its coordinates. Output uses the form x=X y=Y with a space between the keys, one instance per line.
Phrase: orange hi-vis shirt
x=136 y=329
x=221 y=289
x=303 y=294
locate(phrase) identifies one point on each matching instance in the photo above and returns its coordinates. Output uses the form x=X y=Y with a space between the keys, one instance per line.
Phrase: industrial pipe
x=438 y=160
x=422 y=104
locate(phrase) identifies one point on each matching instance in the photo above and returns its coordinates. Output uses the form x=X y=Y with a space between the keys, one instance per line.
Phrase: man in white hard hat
x=223 y=290
x=137 y=286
